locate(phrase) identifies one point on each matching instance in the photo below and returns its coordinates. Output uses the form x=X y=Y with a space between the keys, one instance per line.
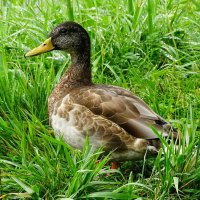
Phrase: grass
x=149 y=47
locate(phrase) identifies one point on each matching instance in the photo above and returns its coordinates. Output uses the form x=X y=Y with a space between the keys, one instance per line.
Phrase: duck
x=110 y=117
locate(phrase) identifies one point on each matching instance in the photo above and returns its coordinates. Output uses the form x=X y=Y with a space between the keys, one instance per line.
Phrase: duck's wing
x=121 y=107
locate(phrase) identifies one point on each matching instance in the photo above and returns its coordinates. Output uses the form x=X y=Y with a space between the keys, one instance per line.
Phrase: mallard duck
x=110 y=116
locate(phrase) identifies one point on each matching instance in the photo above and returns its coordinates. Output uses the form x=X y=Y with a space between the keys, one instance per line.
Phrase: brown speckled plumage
x=111 y=116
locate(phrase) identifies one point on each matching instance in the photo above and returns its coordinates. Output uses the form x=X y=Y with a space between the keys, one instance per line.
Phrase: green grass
x=149 y=47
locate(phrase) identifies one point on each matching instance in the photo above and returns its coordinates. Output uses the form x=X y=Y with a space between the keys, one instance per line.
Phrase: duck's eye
x=63 y=30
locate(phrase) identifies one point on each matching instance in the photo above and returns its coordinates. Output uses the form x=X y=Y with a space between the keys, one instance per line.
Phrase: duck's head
x=68 y=36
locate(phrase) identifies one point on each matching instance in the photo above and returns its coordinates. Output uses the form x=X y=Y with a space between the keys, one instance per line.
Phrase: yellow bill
x=44 y=47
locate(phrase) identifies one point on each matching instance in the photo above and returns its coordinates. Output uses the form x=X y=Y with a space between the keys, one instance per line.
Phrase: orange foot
x=114 y=165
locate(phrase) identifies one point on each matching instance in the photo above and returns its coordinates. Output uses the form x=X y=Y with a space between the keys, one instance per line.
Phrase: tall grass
x=150 y=47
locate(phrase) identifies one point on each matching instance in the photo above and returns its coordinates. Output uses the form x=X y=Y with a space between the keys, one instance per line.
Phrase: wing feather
x=121 y=107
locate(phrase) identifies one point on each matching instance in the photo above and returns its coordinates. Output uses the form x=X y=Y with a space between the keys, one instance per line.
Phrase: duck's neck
x=78 y=74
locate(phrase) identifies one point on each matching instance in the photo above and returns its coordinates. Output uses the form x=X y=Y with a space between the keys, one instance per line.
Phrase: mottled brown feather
x=121 y=107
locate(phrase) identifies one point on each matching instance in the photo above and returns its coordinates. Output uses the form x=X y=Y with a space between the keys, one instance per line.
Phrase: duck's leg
x=114 y=165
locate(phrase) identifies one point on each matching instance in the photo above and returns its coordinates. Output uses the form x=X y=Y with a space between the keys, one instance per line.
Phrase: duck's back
x=121 y=107
x=110 y=115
